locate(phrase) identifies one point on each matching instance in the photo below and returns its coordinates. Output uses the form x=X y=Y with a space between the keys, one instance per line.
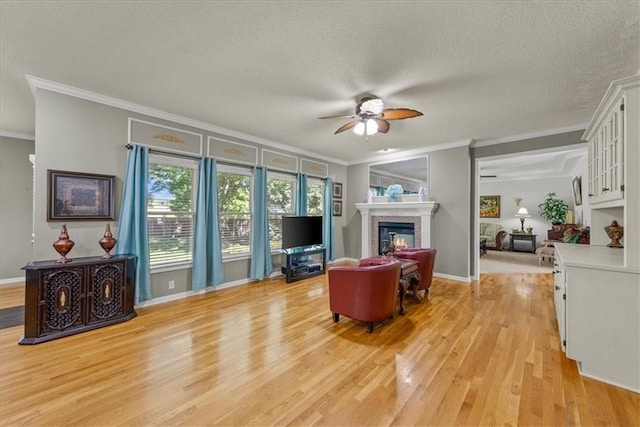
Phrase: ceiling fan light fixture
x=372 y=117
x=372 y=127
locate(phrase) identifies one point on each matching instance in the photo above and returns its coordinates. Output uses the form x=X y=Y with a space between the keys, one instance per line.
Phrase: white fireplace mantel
x=369 y=211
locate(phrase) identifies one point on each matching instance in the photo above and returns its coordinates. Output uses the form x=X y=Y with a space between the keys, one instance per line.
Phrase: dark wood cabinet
x=84 y=294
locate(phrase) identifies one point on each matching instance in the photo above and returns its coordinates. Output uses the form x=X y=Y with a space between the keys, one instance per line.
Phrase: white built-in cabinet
x=597 y=288
x=613 y=183
x=606 y=157
x=597 y=303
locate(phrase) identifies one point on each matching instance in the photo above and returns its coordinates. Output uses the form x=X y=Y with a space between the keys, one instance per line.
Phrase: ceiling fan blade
x=399 y=113
x=352 y=116
x=383 y=125
x=347 y=126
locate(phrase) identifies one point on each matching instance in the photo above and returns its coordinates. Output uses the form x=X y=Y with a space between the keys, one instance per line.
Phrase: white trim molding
x=17 y=135
x=537 y=134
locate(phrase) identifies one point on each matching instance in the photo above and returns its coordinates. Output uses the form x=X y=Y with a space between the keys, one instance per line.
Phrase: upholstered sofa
x=494 y=233
x=569 y=233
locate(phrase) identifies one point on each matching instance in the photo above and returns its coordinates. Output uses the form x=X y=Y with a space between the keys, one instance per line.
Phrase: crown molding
x=17 y=135
x=610 y=97
x=40 y=83
x=524 y=177
x=537 y=134
x=405 y=155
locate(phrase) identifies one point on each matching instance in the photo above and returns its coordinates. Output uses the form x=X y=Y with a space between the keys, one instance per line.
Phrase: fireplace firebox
x=405 y=235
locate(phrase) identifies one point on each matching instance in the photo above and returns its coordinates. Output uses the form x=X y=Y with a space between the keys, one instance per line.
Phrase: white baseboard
x=343 y=259
x=465 y=280
x=606 y=381
x=11 y=280
x=186 y=294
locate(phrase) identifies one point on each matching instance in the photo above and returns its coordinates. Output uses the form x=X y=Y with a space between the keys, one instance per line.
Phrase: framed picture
x=337 y=208
x=337 y=190
x=489 y=206
x=577 y=190
x=79 y=196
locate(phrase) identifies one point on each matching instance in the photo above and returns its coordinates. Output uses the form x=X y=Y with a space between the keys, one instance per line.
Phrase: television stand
x=303 y=263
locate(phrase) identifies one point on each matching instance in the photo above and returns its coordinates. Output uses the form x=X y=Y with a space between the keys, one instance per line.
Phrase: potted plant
x=553 y=209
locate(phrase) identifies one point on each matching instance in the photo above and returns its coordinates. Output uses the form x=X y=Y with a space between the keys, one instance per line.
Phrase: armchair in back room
x=494 y=233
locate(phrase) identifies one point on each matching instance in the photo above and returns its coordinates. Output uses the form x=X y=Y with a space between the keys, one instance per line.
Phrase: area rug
x=513 y=262
x=11 y=316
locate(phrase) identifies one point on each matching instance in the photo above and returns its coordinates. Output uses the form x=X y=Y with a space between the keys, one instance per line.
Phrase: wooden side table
x=522 y=236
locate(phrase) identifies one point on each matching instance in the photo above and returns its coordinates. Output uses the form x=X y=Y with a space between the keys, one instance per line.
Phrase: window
x=315 y=196
x=280 y=194
x=234 y=210
x=171 y=209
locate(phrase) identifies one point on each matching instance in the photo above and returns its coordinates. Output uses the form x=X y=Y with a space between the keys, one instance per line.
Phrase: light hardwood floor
x=269 y=353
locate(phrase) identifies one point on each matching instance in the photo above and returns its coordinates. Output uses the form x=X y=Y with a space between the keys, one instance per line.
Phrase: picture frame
x=489 y=206
x=577 y=190
x=337 y=190
x=337 y=208
x=79 y=196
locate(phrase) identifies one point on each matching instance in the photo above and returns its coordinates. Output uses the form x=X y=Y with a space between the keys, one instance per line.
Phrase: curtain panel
x=261 y=265
x=133 y=234
x=327 y=220
x=207 y=247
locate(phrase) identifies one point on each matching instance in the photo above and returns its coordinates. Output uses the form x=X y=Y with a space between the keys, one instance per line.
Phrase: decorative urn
x=615 y=233
x=107 y=242
x=63 y=245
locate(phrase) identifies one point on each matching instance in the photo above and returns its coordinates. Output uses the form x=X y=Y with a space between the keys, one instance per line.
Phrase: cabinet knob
x=590 y=194
x=556 y=272
x=557 y=288
x=605 y=189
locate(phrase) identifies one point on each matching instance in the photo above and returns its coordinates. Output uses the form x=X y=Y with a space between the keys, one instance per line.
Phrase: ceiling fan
x=371 y=117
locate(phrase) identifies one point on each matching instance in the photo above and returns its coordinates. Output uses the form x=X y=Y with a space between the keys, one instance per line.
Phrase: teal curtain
x=327 y=220
x=261 y=266
x=301 y=195
x=207 y=246
x=133 y=235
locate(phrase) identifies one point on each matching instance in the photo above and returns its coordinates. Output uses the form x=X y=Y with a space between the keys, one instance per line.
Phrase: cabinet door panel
x=606 y=158
x=106 y=292
x=62 y=297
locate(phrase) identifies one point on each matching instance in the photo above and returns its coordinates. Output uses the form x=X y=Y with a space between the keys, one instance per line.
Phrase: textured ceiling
x=477 y=70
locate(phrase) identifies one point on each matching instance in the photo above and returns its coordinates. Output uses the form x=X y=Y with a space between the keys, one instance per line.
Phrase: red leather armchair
x=426 y=258
x=366 y=293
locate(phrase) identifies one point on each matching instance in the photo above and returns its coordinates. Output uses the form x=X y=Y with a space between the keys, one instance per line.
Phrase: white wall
x=532 y=192
x=16 y=205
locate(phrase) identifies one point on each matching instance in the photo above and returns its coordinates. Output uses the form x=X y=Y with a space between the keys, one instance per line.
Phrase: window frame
x=283 y=176
x=169 y=160
x=322 y=183
x=246 y=171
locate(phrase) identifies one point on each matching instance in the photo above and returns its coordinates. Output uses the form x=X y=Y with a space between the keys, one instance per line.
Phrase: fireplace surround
x=418 y=213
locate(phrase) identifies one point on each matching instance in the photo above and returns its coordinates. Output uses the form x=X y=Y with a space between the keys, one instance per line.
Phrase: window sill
x=170 y=267
x=185 y=265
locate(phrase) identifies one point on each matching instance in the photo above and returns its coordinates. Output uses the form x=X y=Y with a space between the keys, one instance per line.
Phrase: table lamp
x=522 y=214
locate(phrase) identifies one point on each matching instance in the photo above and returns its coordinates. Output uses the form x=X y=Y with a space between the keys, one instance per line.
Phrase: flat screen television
x=300 y=231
